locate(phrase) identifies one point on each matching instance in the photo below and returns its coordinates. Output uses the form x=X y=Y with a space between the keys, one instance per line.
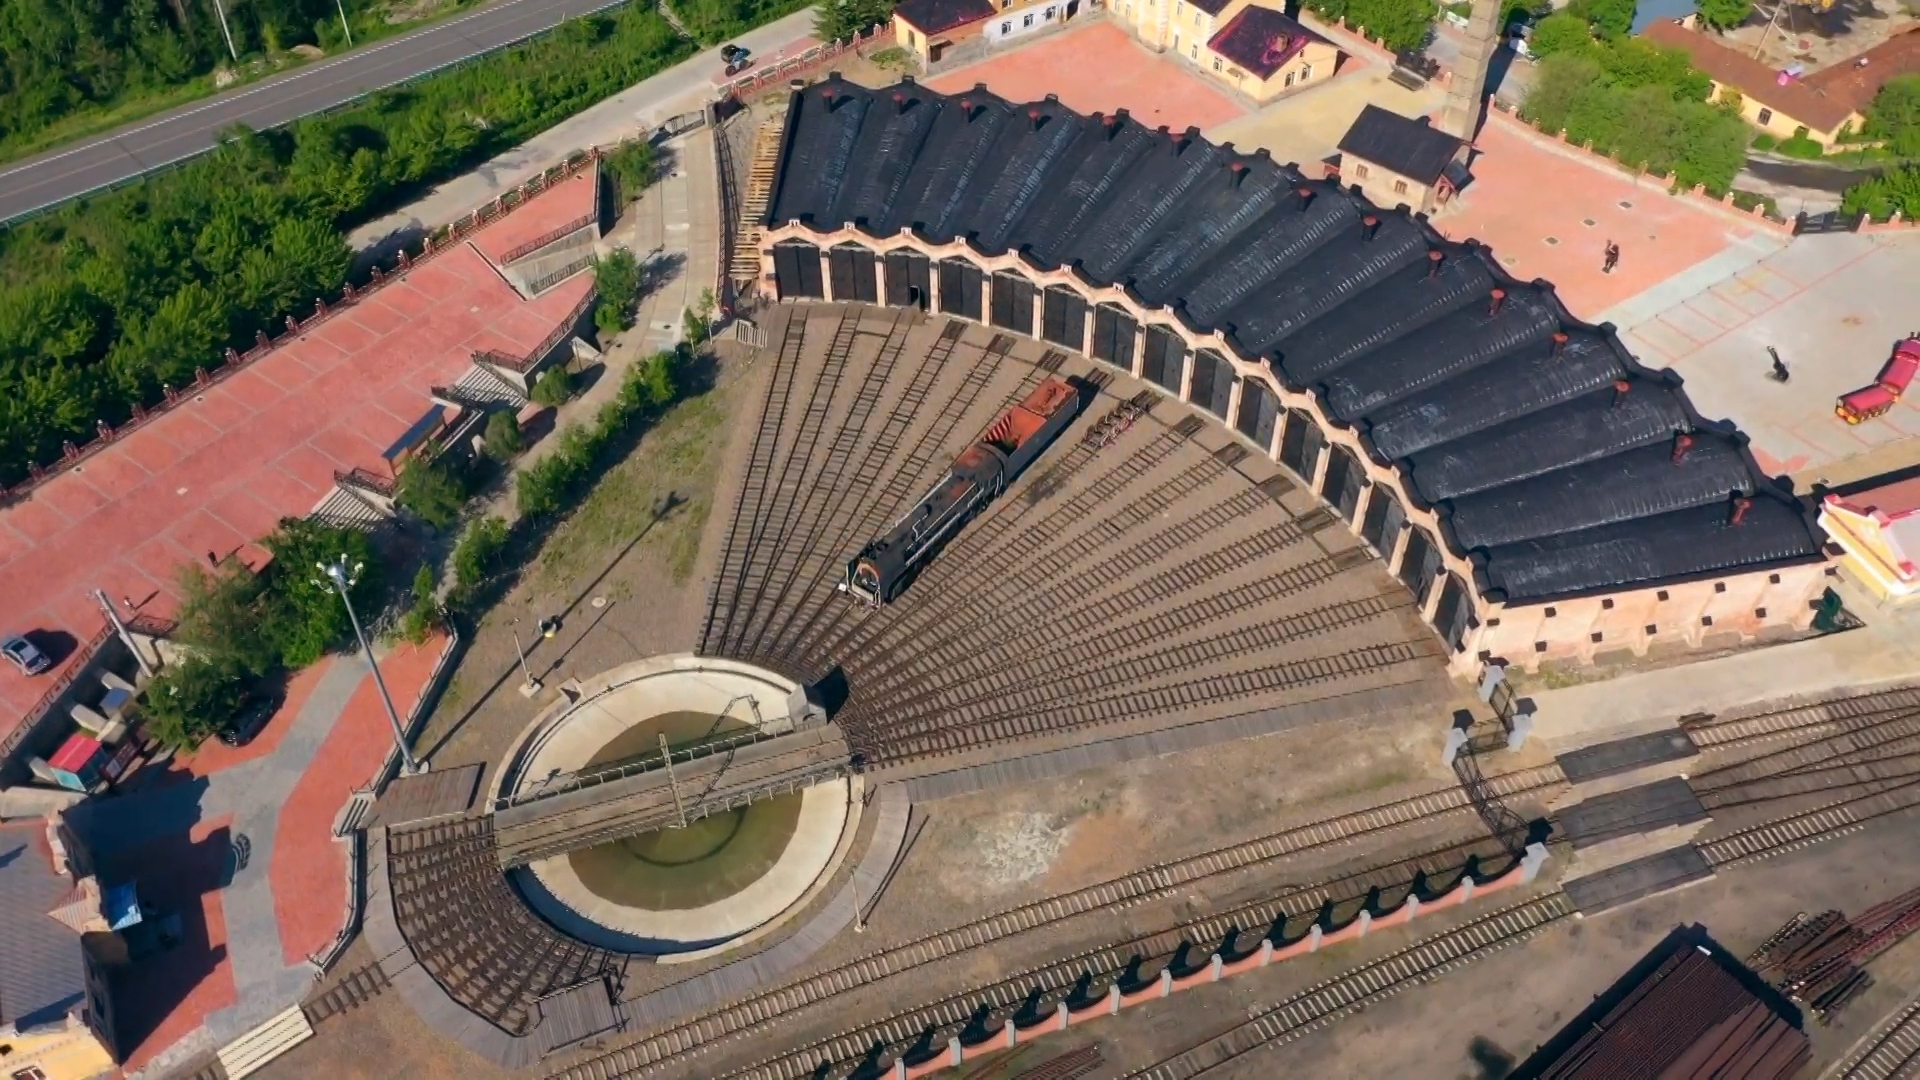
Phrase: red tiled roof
x=1822 y=102
x=1262 y=40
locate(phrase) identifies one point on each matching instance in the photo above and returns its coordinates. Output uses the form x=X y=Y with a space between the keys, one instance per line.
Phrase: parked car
x=255 y=710
x=25 y=655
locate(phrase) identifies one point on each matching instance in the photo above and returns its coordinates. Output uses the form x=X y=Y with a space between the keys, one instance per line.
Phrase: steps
x=745 y=264
x=251 y=1052
x=550 y=264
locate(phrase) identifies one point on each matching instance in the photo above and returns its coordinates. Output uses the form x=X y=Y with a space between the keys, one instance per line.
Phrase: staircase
x=745 y=265
x=552 y=263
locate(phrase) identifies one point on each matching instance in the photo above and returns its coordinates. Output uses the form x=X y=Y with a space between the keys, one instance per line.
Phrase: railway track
x=1890 y=1052
x=1795 y=831
x=1105 y=898
x=354 y=989
x=1802 y=721
x=1313 y=1009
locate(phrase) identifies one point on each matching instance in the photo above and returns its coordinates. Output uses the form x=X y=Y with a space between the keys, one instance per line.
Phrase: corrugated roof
x=1855 y=82
x=1547 y=449
x=1413 y=148
x=42 y=971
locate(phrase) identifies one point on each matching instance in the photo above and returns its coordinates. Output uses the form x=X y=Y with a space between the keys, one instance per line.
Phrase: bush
x=1560 y=32
x=649 y=386
x=632 y=167
x=1643 y=106
x=838 y=20
x=1725 y=14
x=1397 y=24
x=423 y=612
x=553 y=387
x=305 y=617
x=503 y=435
x=1764 y=142
x=616 y=279
x=478 y=553
x=1897 y=189
x=697 y=322
x=1799 y=146
x=432 y=487
x=1895 y=116
x=191 y=700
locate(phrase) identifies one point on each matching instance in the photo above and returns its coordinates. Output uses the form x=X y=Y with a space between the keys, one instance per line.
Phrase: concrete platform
x=1643 y=809
x=1631 y=881
x=1625 y=755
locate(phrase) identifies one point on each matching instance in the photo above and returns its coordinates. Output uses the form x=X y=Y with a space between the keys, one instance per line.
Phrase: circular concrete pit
x=682 y=890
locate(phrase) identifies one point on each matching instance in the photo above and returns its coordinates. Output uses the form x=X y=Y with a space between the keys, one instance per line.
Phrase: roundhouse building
x=1543 y=495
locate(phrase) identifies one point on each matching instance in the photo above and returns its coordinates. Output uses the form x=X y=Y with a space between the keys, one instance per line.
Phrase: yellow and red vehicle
x=1894 y=379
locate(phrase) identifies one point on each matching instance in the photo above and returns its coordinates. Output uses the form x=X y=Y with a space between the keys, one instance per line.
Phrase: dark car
x=255 y=711
x=25 y=656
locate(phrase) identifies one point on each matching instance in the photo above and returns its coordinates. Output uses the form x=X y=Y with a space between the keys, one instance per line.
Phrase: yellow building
x=1254 y=49
x=931 y=28
x=1879 y=531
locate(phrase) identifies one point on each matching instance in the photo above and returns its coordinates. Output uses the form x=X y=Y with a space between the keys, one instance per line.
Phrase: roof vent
x=1237 y=172
x=1113 y=125
x=1498 y=298
x=1621 y=388
x=1034 y=116
x=1305 y=195
x=899 y=101
x=1682 y=443
x=831 y=96
x=966 y=109
x=1369 y=225
x=1741 y=504
x=1434 y=258
x=1560 y=340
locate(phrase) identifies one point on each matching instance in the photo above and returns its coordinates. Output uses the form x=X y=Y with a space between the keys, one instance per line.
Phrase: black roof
x=1262 y=40
x=1211 y=7
x=939 y=16
x=1552 y=457
x=1413 y=148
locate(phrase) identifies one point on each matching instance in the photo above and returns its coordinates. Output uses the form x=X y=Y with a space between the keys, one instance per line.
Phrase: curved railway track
x=1138 y=887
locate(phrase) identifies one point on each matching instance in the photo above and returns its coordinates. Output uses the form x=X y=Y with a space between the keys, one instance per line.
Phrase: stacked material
x=1690 y=1019
x=1819 y=960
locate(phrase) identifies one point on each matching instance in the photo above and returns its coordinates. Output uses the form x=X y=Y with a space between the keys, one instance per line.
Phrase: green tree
x=423 y=610
x=304 y=616
x=1725 y=14
x=1895 y=115
x=503 y=435
x=1610 y=18
x=1559 y=33
x=633 y=167
x=553 y=387
x=1643 y=107
x=616 y=278
x=221 y=613
x=1896 y=189
x=839 y=20
x=432 y=487
x=478 y=554
x=192 y=699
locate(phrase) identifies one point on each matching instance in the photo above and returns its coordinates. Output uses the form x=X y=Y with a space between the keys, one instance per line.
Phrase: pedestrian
x=1779 y=374
x=1611 y=258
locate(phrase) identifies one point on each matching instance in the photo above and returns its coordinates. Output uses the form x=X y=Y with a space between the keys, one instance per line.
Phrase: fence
x=747 y=85
x=549 y=237
x=233 y=360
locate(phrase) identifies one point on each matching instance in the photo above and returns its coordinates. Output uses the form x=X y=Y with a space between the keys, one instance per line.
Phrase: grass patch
x=680 y=454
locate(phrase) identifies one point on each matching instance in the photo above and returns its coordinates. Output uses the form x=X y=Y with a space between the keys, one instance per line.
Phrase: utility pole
x=126 y=636
x=679 y=807
x=340 y=6
x=224 y=32
x=343 y=580
x=532 y=685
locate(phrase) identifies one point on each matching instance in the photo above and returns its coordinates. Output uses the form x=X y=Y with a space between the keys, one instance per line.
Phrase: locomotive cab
x=863 y=580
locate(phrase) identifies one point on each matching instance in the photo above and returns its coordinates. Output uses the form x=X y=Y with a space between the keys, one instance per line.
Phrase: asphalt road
x=74 y=170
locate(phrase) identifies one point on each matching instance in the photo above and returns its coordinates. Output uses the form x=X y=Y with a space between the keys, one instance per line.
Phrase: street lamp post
x=343 y=580
x=340 y=6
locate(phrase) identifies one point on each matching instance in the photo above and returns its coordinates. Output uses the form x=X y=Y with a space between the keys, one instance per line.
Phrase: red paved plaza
x=1099 y=68
x=221 y=469
x=1531 y=200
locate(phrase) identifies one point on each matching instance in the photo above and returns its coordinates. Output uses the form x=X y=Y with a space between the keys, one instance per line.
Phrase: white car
x=24 y=655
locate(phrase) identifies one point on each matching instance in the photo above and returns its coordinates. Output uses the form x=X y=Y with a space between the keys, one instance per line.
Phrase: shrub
x=553 y=387
x=1799 y=146
x=191 y=700
x=616 y=279
x=432 y=487
x=1644 y=107
x=1725 y=14
x=1895 y=115
x=1896 y=189
x=478 y=553
x=1560 y=32
x=697 y=321
x=423 y=611
x=633 y=167
x=838 y=20
x=550 y=483
x=503 y=435
x=1764 y=142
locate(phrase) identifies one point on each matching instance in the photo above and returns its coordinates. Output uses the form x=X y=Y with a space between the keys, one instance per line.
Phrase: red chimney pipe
x=900 y=101
x=1434 y=257
x=1305 y=194
x=1499 y=297
x=1681 y=444
x=966 y=109
x=1368 y=226
x=1033 y=115
x=1621 y=388
x=1741 y=504
x=1559 y=343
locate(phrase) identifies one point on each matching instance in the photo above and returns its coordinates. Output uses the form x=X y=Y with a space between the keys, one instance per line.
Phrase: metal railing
x=563 y=783
x=549 y=237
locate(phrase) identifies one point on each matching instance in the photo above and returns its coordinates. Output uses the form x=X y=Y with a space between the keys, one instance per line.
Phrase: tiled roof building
x=1541 y=492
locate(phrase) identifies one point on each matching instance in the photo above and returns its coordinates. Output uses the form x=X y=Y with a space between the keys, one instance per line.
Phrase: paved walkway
x=255 y=921
x=639 y=108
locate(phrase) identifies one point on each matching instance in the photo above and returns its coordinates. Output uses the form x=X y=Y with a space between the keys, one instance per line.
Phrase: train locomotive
x=981 y=472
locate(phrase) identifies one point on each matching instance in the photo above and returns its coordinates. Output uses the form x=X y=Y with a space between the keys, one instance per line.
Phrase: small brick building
x=1399 y=160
